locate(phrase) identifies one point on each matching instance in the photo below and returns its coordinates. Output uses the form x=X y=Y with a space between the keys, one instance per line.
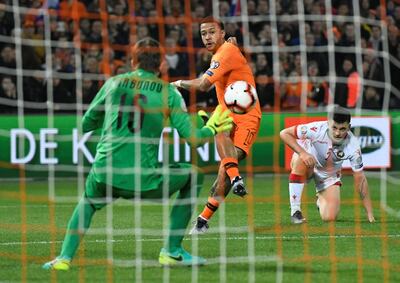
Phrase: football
x=240 y=97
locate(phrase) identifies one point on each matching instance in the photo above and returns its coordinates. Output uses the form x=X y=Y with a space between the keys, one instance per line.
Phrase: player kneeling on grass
x=132 y=109
x=320 y=149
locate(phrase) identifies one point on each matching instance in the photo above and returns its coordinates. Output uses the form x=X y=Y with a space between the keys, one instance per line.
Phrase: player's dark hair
x=211 y=19
x=146 y=54
x=339 y=115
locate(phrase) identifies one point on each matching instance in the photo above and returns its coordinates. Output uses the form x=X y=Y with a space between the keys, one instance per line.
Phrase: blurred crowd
x=302 y=57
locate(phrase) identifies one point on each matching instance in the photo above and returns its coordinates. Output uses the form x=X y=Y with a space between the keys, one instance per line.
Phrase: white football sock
x=295 y=191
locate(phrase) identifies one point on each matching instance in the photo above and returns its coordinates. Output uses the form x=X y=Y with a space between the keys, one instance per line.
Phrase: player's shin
x=231 y=167
x=182 y=212
x=77 y=226
x=209 y=209
x=201 y=223
x=296 y=185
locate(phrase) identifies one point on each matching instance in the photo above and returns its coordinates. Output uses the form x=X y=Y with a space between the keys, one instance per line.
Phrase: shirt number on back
x=135 y=113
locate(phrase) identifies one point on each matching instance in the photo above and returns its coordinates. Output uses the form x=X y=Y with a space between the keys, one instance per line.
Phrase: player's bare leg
x=230 y=160
x=237 y=185
x=329 y=203
x=219 y=190
x=298 y=176
x=217 y=196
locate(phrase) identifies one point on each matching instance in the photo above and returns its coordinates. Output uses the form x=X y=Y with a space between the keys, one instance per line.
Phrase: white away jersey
x=313 y=137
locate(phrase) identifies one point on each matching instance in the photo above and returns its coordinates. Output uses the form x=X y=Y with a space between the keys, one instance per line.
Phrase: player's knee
x=241 y=154
x=328 y=218
x=90 y=203
x=329 y=215
x=299 y=168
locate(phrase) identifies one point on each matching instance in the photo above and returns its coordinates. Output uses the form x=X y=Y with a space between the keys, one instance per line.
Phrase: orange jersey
x=227 y=66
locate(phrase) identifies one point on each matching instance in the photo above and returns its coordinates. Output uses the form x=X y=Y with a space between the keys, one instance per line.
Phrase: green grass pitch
x=258 y=245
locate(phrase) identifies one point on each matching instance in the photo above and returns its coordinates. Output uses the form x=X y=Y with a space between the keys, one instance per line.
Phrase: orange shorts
x=245 y=132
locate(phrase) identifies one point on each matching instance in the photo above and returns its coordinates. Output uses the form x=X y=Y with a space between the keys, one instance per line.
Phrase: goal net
x=305 y=56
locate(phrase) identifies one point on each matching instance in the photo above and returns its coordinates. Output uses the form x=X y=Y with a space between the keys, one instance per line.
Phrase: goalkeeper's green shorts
x=178 y=177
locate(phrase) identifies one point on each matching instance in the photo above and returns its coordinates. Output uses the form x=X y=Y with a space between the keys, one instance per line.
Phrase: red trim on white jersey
x=295 y=132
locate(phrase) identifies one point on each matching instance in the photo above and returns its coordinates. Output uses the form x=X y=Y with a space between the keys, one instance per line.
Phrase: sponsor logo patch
x=303 y=130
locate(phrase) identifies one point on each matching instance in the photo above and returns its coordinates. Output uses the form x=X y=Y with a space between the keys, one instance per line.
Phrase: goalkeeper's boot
x=179 y=257
x=297 y=217
x=200 y=226
x=59 y=263
x=238 y=186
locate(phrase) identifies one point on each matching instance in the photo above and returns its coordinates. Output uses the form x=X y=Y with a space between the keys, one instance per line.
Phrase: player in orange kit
x=227 y=66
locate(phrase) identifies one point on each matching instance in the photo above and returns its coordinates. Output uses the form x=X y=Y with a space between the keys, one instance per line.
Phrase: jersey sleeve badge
x=303 y=132
x=214 y=64
x=208 y=72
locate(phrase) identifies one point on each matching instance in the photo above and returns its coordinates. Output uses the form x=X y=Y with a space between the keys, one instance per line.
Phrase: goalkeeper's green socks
x=76 y=229
x=182 y=212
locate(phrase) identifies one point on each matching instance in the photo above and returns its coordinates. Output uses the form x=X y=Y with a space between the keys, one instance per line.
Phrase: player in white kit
x=320 y=149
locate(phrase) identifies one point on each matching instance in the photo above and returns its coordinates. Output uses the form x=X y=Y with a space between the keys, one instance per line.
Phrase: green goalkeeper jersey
x=132 y=109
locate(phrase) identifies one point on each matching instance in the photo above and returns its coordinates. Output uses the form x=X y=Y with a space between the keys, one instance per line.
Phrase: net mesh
x=55 y=55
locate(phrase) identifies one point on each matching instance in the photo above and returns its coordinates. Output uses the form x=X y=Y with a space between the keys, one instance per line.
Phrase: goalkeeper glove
x=203 y=116
x=220 y=121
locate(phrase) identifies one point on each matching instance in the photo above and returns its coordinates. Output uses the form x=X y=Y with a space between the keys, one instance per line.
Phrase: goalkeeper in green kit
x=132 y=109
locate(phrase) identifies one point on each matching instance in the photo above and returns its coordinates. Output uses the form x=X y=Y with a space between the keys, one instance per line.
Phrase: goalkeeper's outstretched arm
x=220 y=121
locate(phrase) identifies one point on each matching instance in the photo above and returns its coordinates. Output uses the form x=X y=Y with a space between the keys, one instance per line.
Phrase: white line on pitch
x=215 y=238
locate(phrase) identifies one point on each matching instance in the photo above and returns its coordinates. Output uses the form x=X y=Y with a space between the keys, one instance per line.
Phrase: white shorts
x=323 y=180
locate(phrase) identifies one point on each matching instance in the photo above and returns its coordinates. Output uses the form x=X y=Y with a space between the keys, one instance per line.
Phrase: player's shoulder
x=229 y=45
x=352 y=140
x=173 y=92
x=175 y=97
x=321 y=124
x=317 y=126
x=123 y=75
x=119 y=77
x=308 y=130
x=111 y=82
x=227 y=48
